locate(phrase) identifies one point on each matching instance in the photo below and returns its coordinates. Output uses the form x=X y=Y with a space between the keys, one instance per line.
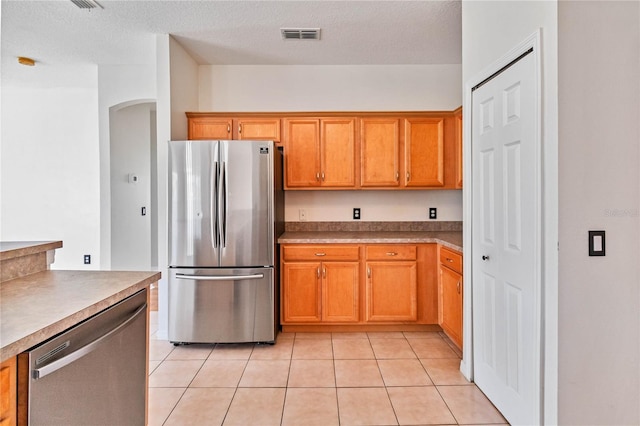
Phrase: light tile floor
x=314 y=379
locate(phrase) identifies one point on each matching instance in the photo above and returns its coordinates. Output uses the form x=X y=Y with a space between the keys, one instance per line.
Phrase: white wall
x=329 y=87
x=599 y=297
x=489 y=30
x=375 y=206
x=130 y=133
x=184 y=88
x=342 y=88
x=118 y=86
x=50 y=166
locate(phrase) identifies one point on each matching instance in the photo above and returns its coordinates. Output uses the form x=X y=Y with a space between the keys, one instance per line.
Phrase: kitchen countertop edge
x=450 y=239
x=13 y=249
x=118 y=284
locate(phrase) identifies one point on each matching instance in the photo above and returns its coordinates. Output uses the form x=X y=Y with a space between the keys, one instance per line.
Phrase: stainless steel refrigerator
x=225 y=213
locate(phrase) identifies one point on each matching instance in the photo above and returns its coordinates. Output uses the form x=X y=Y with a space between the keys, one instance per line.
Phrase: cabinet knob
x=397 y=176
x=408 y=176
x=317 y=176
x=318 y=272
x=239 y=128
x=449 y=260
x=485 y=257
x=228 y=128
x=323 y=176
x=321 y=254
x=368 y=272
x=324 y=274
x=392 y=253
x=458 y=287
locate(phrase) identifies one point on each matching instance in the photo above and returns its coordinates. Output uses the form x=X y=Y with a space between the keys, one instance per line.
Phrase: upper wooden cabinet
x=424 y=152
x=257 y=129
x=320 y=153
x=379 y=152
x=341 y=150
x=203 y=127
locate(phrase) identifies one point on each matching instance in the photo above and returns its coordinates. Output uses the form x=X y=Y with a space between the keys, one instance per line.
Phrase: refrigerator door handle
x=222 y=204
x=213 y=207
x=219 y=277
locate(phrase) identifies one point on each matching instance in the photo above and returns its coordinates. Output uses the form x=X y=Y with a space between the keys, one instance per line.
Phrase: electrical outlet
x=433 y=213
x=87 y=259
x=356 y=213
x=302 y=215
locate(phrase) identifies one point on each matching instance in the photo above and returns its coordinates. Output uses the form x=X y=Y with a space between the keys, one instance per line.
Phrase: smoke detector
x=87 y=4
x=300 y=33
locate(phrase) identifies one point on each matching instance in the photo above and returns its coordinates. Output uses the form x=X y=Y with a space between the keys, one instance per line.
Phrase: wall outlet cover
x=433 y=213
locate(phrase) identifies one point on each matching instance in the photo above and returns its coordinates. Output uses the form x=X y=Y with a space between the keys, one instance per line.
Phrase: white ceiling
x=56 y=32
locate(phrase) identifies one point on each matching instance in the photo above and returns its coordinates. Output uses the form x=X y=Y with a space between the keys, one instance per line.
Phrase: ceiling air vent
x=300 y=33
x=87 y=4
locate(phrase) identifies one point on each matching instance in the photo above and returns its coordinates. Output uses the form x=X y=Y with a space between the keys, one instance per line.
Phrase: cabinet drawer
x=325 y=252
x=391 y=252
x=451 y=259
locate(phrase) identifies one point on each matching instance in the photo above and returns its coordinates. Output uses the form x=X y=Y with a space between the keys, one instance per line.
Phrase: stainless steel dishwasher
x=95 y=372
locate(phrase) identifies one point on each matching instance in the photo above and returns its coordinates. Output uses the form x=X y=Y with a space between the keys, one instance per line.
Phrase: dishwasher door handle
x=39 y=373
x=219 y=277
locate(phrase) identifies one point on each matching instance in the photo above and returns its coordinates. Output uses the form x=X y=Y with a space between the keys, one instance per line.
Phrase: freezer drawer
x=221 y=305
x=94 y=373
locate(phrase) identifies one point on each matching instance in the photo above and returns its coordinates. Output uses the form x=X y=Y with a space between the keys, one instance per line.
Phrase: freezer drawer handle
x=41 y=372
x=219 y=277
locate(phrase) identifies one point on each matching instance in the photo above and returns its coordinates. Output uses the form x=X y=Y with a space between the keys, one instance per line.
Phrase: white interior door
x=506 y=229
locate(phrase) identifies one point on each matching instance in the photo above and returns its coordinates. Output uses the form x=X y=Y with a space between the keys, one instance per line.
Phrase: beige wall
x=599 y=134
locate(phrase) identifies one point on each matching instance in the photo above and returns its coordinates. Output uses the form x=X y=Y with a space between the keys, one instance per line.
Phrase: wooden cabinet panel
x=302 y=153
x=8 y=392
x=379 y=150
x=451 y=304
x=301 y=292
x=320 y=252
x=338 y=152
x=424 y=152
x=258 y=129
x=205 y=128
x=340 y=291
x=391 y=291
x=391 y=252
x=458 y=143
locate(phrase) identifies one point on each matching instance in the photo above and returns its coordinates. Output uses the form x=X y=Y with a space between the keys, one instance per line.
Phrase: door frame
x=467 y=364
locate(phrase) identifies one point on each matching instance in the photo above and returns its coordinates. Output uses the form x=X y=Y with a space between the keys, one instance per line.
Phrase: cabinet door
x=258 y=129
x=451 y=304
x=340 y=291
x=203 y=128
x=338 y=152
x=301 y=294
x=302 y=153
x=392 y=291
x=8 y=386
x=379 y=147
x=424 y=152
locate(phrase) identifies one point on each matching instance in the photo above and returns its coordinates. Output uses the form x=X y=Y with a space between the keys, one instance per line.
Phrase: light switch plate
x=596 y=243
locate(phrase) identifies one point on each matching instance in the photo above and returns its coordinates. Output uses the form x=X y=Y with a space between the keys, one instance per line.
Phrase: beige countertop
x=451 y=239
x=38 y=306
x=12 y=249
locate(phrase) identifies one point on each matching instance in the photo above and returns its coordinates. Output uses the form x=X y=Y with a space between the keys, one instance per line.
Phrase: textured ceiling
x=56 y=32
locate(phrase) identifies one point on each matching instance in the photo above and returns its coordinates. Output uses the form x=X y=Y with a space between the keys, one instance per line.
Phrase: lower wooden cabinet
x=371 y=287
x=392 y=291
x=320 y=291
x=392 y=282
x=450 y=294
x=8 y=392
